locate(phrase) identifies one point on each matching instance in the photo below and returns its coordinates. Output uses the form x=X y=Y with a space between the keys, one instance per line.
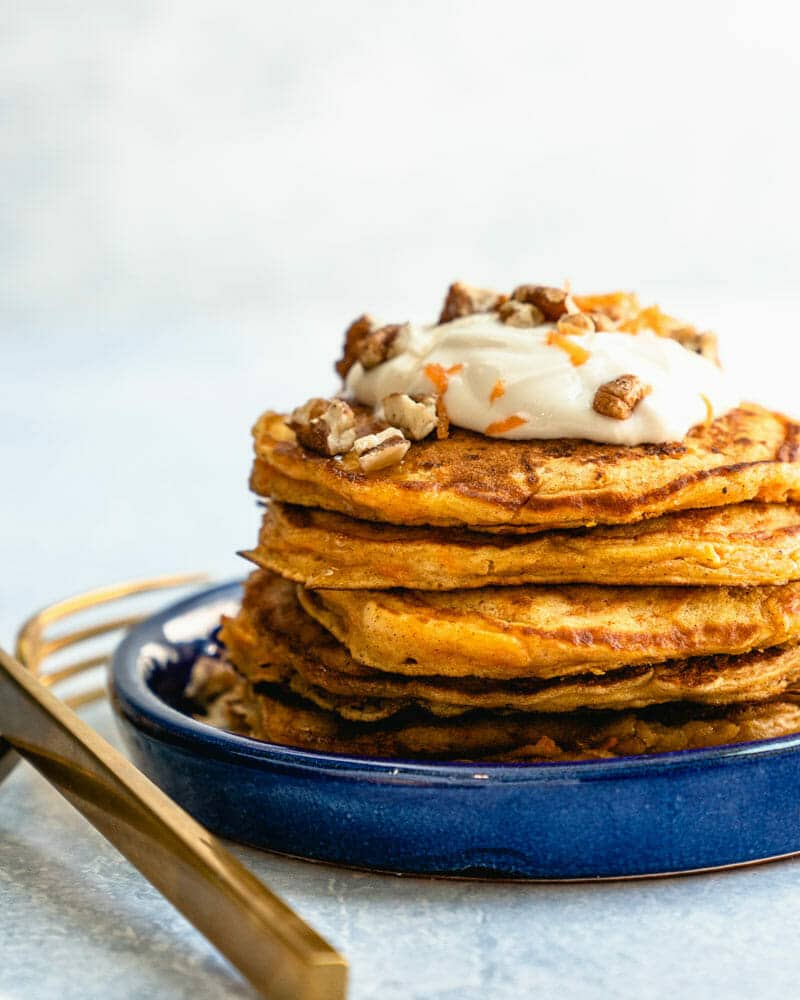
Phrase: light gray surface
x=196 y=199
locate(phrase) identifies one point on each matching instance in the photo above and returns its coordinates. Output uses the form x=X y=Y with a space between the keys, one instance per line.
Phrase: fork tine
x=29 y=640
x=85 y=697
x=51 y=646
x=32 y=648
x=73 y=669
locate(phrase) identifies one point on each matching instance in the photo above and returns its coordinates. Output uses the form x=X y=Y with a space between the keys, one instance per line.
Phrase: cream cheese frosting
x=525 y=383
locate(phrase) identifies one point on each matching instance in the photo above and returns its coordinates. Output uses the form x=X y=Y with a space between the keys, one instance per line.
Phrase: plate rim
x=133 y=700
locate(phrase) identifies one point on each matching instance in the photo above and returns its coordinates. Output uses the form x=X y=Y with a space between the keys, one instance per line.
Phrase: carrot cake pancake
x=277 y=716
x=272 y=640
x=544 y=527
x=738 y=545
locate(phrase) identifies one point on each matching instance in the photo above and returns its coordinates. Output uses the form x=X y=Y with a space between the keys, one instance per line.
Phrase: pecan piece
x=381 y=345
x=464 y=300
x=575 y=324
x=326 y=426
x=414 y=415
x=618 y=398
x=704 y=344
x=354 y=337
x=602 y=321
x=520 y=314
x=379 y=451
x=552 y=302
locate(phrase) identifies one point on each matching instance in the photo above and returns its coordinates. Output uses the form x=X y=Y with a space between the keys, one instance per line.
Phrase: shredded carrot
x=440 y=376
x=651 y=318
x=442 y=419
x=501 y=426
x=617 y=305
x=577 y=355
x=498 y=391
x=709 y=409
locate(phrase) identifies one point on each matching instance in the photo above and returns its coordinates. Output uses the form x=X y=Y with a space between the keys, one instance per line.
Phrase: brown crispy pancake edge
x=551 y=631
x=272 y=639
x=278 y=716
x=480 y=482
x=736 y=545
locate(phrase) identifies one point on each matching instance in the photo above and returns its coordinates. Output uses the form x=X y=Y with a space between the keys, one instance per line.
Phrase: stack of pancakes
x=523 y=600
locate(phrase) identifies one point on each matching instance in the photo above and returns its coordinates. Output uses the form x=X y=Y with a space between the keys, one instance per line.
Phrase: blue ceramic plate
x=661 y=814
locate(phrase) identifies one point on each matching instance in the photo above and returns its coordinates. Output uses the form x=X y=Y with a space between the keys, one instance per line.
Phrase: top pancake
x=487 y=483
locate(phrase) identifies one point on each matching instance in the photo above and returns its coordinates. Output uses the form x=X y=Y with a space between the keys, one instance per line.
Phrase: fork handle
x=271 y=946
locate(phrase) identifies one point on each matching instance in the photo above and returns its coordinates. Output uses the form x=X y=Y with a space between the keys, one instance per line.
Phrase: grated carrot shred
x=650 y=318
x=441 y=376
x=438 y=376
x=498 y=391
x=617 y=305
x=709 y=409
x=577 y=355
x=501 y=426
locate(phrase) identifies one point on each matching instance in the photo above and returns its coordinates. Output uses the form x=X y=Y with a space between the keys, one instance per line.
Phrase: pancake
x=275 y=714
x=273 y=640
x=545 y=632
x=738 y=545
x=480 y=482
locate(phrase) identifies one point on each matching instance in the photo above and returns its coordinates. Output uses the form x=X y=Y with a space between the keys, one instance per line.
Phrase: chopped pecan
x=414 y=415
x=704 y=344
x=326 y=426
x=619 y=398
x=378 y=451
x=354 y=337
x=602 y=321
x=303 y=415
x=381 y=345
x=575 y=324
x=521 y=314
x=209 y=679
x=552 y=302
x=464 y=300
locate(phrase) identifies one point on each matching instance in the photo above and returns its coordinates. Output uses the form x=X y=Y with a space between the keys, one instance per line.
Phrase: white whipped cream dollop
x=512 y=383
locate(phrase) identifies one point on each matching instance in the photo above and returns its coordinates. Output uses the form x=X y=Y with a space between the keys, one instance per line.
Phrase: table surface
x=129 y=457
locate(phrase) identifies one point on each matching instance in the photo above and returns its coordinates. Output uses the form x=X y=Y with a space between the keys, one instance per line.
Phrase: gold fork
x=257 y=931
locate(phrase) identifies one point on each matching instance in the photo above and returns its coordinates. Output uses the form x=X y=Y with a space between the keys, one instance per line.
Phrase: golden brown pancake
x=742 y=544
x=274 y=714
x=273 y=640
x=547 y=632
x=488 y=483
